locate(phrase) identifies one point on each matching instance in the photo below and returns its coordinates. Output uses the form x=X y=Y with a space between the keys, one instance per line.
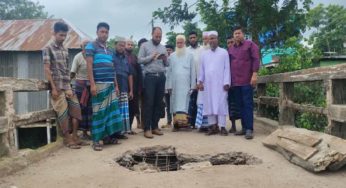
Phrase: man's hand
x=117 y=92
x=69 y=93
x=169 y=91
x=130 y=95
x=93 y=89
x=254 y=79
x=55 y=94
x=200 y=86
x=155 y=55
x=163 y=57
x=226 y=87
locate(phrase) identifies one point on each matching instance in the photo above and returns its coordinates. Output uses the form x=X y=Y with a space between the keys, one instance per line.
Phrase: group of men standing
x=109 y=86
x=208 y=83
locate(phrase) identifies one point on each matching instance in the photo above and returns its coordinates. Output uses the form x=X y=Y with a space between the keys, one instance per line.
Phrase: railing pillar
x=10 y=113
x=286 y=114
x=261 y=91
x=329 y=100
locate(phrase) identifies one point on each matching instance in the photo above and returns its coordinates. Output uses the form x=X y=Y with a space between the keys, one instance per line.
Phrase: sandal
x=72 y=146
x=97 y=146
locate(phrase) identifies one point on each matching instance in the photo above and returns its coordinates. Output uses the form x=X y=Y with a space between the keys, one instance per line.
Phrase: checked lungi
x=124 y=110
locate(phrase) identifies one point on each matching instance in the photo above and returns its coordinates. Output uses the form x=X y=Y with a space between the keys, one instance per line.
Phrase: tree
x=21 y=9
x=329 y=25
x=218 y=17
x=269 y=22
x=171 y=38
x=187 y=27
x=174 y=14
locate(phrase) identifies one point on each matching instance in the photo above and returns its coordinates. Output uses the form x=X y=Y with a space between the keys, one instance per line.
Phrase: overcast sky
x=126 y=17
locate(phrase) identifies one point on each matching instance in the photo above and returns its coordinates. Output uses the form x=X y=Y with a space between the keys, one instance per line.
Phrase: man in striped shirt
x=106 y=120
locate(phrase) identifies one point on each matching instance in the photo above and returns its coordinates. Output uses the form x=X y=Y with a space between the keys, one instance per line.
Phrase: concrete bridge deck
x=86 y=168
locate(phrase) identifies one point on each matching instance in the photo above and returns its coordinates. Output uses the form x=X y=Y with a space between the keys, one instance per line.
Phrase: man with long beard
x=181 y=77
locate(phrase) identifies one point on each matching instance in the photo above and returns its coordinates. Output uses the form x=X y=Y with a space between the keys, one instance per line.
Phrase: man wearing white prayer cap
x=181 y=80
x=205 y=39
x=214 y=80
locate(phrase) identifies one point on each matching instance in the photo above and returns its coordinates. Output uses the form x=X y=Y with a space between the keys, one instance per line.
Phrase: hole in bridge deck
x=165 y=158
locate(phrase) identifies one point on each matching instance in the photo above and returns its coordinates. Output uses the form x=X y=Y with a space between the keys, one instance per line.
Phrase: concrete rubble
x=313 y=151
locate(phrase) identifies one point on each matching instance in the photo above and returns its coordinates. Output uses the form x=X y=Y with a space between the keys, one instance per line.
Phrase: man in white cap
x=201 y=121
x=214 y=80
x=125 y=84
x=181 y=77
x=205 y=40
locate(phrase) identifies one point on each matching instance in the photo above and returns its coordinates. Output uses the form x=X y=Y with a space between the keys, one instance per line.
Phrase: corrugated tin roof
x=34 y=35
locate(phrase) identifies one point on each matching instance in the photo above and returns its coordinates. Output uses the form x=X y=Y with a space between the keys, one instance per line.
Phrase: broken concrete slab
x=321 y=152
x=197 y=165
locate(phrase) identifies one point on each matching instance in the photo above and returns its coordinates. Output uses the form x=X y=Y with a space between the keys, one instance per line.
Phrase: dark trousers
x=168 y=107
x=244 y=94
x=134 y=109
x=153 y=96
x=193 y=108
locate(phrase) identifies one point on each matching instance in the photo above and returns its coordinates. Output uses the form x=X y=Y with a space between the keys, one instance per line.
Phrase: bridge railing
x=333 y=81
x=10 y=121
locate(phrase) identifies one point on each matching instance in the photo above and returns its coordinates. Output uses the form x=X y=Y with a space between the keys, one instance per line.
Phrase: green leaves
x=268 y=22
x=329 y=28
x=21 y=9
x=174 y=14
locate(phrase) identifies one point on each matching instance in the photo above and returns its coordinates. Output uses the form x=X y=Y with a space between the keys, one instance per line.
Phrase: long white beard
x=206 y=47
x=180 y=51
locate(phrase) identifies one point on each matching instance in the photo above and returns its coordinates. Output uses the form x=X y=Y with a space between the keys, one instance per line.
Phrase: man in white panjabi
x=181 y=77
x=214 y=80
x=201 y=120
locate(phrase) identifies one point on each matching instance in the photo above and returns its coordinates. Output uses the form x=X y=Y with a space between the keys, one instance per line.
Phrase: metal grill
x=164 y=162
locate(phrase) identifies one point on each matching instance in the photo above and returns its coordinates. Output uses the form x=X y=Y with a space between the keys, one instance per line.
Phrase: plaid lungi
x=201 y=121
x=124 y=110
x=65 y=108
x=82 y=90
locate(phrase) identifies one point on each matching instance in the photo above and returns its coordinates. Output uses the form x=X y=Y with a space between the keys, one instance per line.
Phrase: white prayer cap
x=119 y=39
x=213 y=33
x=180 y=37
x=129 y=40
x=205 y=33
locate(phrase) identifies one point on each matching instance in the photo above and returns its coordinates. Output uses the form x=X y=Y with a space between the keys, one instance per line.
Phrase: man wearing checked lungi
x=125 y=81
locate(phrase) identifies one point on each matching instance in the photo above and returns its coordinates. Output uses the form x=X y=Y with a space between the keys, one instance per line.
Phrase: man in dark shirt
x=244 y=67
x=136 y=72
x=125 y=81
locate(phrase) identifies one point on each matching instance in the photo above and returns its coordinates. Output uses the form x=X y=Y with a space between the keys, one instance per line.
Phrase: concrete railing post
x=286 y=114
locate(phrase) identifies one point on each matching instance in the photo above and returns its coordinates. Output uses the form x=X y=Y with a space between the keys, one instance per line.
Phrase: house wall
x=27 y=65
x=8 y=64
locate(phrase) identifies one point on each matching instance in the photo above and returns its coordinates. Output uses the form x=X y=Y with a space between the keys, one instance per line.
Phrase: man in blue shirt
x=106 y=119
x=125 y=81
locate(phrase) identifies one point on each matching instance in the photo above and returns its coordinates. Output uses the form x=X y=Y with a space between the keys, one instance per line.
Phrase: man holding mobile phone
x=153 y=56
